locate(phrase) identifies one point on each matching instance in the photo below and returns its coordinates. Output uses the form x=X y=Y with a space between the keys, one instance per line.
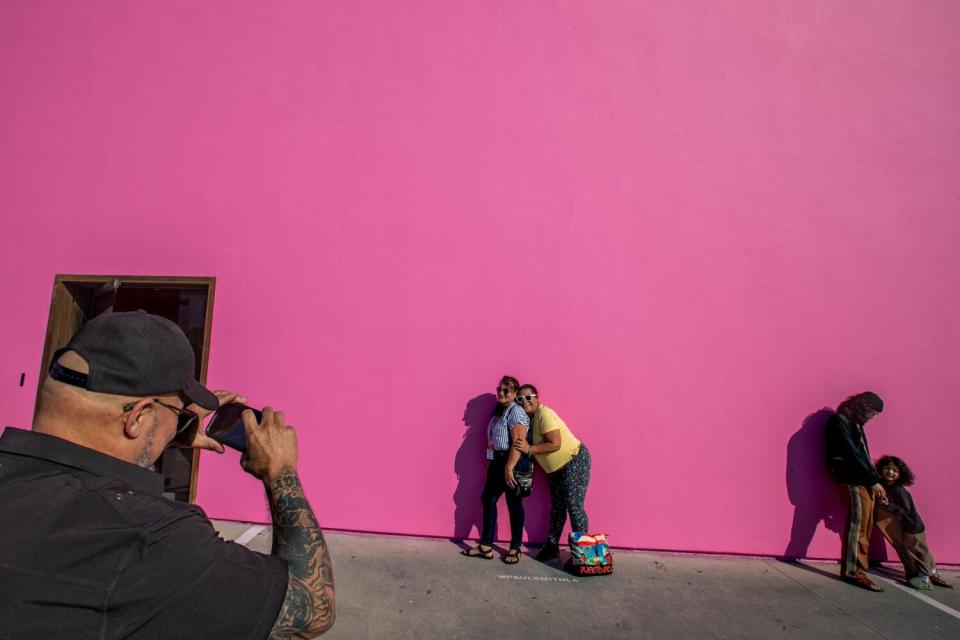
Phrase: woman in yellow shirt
x=566 y=461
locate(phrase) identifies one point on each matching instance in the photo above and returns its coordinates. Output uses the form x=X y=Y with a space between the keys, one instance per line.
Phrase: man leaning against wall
x=89 y=547
x=849 y=461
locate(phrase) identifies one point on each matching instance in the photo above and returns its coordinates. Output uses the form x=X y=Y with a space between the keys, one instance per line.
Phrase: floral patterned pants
x=568 y=489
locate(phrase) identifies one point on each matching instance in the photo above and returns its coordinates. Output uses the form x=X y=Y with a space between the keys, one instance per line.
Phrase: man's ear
x=133 y=419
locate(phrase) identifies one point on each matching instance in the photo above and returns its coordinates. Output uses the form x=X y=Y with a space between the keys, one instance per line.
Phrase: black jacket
x=848 y=457
x=901 y=505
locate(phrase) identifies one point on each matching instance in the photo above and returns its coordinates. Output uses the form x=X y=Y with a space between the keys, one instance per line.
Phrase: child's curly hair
x=906 y=475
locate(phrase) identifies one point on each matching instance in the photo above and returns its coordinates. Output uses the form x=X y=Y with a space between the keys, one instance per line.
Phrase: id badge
x=489 y=453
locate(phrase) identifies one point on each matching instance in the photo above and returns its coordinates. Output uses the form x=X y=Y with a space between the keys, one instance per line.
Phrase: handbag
x=589 y=554
x=523 y=474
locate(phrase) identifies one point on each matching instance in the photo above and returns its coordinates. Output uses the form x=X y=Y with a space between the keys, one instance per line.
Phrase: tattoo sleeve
x=309 y=607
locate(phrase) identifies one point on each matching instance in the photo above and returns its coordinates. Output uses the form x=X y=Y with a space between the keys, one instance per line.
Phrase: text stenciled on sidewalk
x=539 y=578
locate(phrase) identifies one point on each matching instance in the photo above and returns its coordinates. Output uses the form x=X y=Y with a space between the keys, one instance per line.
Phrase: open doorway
x=186 y=301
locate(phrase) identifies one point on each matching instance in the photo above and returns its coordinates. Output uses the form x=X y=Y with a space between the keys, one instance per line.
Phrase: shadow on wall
x=814 y=495
x=470 y=465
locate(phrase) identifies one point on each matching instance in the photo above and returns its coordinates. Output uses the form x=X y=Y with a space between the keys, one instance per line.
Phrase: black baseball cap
x=134 y=353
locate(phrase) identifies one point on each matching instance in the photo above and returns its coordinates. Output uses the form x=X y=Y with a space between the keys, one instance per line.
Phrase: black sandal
x=478 y=552
x=513 y=556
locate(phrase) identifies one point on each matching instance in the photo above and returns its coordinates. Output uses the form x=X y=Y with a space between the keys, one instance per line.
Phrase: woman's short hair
x=527 y=385
x=906 y=475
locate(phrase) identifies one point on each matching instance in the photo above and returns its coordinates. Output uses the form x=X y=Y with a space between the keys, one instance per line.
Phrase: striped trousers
x=855 y=548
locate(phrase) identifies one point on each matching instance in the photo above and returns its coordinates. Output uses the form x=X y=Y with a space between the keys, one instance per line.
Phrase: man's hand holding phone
x=194 y=436
x=271 y=445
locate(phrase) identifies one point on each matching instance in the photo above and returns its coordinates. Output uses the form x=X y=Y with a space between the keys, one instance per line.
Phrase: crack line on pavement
x=825 y=599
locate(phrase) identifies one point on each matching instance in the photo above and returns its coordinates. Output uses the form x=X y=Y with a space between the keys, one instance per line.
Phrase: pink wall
x=691 y=224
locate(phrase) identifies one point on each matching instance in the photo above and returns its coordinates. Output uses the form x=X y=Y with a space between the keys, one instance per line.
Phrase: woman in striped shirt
x=508 y=423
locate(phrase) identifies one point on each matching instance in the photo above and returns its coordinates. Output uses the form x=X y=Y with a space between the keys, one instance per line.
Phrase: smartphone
x=226 y=426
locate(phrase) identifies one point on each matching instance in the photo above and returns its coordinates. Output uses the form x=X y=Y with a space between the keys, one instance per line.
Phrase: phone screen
x=226 y=426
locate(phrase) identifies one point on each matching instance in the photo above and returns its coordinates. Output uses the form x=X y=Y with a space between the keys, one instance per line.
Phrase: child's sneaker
x=920 y=583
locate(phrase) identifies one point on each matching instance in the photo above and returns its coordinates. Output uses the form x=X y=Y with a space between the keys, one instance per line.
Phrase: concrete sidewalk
x=398 y=587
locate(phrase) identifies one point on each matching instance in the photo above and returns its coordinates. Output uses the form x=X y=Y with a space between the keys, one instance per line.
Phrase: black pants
x=496 y=486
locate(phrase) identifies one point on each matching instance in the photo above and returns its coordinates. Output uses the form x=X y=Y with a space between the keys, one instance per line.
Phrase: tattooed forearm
x=309 y=608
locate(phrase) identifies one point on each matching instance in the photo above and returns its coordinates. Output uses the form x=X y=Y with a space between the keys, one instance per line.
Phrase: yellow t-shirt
x=545 y=420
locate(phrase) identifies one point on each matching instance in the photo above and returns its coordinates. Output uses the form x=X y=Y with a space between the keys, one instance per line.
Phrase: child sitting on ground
x=899 y=521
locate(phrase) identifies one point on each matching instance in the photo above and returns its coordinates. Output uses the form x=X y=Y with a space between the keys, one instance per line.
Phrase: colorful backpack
x=589 y=554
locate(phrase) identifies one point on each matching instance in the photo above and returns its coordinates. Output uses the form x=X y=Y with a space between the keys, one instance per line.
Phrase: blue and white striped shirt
x=498 y=431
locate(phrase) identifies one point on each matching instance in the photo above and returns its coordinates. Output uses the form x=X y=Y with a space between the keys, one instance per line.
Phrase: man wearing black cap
x=848 y=459
x=88 y=545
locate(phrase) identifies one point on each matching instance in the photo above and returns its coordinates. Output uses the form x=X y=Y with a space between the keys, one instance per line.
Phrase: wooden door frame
x=70 y=318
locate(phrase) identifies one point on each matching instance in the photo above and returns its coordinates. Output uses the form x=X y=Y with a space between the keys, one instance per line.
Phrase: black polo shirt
x=89 y=548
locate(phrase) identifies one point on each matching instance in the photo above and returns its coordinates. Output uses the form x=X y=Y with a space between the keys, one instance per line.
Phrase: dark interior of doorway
x=186 y=301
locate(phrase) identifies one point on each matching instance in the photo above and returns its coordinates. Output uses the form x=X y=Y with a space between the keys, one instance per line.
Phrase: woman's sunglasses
x=526 y=399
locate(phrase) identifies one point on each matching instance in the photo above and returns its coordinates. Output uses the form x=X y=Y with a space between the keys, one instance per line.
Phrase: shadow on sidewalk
x=811 y=569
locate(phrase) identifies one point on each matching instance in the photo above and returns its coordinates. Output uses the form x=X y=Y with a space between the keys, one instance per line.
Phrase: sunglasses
x=185 y=417
x=504 y=390
x=525 y=399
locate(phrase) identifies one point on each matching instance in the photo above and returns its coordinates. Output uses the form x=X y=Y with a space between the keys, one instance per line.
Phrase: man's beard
x=146 y=458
